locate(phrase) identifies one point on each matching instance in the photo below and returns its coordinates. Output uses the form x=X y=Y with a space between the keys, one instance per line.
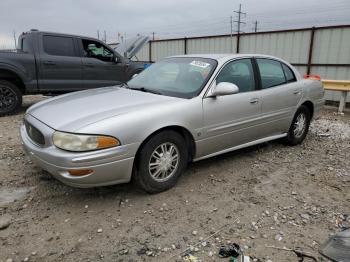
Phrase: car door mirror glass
x=223 y=89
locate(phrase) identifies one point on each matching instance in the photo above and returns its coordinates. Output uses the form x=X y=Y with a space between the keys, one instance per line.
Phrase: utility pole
x=98 y=34
x=256 y=26
x=105 y=36
x=14 y=37
x=231 y=23
x=239 y=22
x=153 y=35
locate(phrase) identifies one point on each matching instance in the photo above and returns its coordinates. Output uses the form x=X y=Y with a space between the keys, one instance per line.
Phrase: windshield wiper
x=147 y=90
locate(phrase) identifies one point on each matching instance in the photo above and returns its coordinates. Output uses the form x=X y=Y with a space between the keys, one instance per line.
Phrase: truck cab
x=55 y=63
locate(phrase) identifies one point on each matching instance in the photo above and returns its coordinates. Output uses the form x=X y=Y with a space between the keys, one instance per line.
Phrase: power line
x=196 y=25
x=291 y=12
x=191 y=23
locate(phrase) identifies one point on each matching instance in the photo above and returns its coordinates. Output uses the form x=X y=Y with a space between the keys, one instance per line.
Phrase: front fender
x=14 y=69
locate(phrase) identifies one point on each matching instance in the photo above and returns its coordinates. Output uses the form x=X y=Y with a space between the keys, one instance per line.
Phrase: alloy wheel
x=300 y=125
x=7 y=98
x=164 y=162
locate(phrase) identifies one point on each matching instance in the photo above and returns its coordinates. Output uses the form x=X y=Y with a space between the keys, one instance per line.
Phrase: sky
x=167 y=19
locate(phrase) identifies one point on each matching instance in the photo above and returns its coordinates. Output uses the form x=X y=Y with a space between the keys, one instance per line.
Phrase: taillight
x=313 y=77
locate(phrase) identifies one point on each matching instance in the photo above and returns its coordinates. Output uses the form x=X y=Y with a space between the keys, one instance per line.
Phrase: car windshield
x=182 y=77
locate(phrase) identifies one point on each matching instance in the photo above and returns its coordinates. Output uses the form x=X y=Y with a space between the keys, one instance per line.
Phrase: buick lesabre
x=180 y=109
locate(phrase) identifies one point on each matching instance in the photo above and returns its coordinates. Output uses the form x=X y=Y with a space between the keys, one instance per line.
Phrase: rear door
x=232 y=120
x=280 y=94
x=60 y=66
x=99 y=65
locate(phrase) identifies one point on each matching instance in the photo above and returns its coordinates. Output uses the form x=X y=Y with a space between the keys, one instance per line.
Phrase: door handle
x=297 y=92
x=49 y=63
x=89 y=65
x=254 y=100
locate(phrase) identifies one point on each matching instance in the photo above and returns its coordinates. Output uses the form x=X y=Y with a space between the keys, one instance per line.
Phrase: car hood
x=131 y=46
x=73 y=111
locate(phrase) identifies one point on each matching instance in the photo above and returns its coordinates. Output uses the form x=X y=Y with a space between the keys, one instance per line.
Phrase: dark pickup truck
x=53 y=63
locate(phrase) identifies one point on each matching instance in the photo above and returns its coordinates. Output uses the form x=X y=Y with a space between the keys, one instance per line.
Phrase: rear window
x=58 y=45
x=271 y=73
x=289 y=73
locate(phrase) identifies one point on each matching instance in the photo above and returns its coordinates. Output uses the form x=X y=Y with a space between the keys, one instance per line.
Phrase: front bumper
x=110 y=166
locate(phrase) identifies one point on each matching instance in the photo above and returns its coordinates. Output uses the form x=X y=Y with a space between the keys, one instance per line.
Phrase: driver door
x=99 y=66
x=232 y=120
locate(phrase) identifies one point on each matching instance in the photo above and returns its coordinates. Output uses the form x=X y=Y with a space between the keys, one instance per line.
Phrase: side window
x=288 y=73
x=96 y=50
x=24 y=45
x=58 y=45
x=271 y=73
x=240 y=73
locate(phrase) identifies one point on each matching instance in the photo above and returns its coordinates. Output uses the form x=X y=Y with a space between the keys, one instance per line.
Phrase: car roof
x=225 y=57
x=59 y=34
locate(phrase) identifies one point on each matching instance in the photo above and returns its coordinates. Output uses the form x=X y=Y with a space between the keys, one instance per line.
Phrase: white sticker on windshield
x=200 y=64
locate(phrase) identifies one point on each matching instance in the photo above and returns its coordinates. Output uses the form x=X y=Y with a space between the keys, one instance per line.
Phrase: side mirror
x=223 y=89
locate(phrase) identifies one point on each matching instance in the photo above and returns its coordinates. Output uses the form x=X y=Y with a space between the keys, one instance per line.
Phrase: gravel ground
x=269 y=194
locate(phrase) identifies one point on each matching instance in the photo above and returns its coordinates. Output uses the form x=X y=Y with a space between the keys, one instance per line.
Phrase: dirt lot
x=269 y=194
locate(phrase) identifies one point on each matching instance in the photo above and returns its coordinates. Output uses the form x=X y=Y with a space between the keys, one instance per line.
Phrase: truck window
x=58 y=45
x=96 y=50
x=24 y=45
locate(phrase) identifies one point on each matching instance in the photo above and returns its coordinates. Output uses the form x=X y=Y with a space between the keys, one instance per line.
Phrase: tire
x=299 y=127
x=10 y=97
x=155 y=171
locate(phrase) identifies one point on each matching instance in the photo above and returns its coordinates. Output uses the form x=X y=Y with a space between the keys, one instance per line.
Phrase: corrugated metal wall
x=330 y=51
x=211 y=45
x=167 y=48
x=143 y=54
x=291 y=46
x=332 y=46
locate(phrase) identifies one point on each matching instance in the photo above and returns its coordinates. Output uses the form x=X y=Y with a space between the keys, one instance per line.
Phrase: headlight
x=81 y=143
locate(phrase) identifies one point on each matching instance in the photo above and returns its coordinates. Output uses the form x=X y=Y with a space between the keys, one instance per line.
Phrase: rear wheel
x=161 y=161
x=299 y=127
x=10 y=97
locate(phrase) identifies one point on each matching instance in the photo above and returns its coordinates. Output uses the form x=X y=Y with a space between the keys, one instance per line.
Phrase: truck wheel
x=160 y=162
x=299 y=127
x=10 y=97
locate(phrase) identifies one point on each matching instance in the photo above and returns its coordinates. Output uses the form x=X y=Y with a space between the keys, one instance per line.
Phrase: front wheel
x=161 y=161
x=10 y=97
x=299 y=127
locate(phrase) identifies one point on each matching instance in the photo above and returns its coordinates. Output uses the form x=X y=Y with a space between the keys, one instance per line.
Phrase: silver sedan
x=181 y=109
